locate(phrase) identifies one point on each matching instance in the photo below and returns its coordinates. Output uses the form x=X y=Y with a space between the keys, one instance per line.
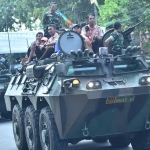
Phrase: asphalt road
x=7 y=141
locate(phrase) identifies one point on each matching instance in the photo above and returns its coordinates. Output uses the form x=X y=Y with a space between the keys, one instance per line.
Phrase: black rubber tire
x=49 y=136
x=120 y=141
x=141 y=141
x=18 y=127
x=99 y=140
x=31 y=123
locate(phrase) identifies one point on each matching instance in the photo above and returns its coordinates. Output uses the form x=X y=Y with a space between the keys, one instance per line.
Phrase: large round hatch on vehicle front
x=70 y=40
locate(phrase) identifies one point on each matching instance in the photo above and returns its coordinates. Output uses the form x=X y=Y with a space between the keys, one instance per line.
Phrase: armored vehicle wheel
x=141 y=141
x=18 y=127
x=31 y=122
x=48 y=132
x=120 y=141
x=99 y=140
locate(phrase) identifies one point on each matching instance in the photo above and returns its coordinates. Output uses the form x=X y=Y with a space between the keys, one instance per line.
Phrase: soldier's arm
x=60 y=23
x=107 y=42
x=54 y=42
x=100 y=33
x=83 y=32
x=31 y=53
x=51 y=44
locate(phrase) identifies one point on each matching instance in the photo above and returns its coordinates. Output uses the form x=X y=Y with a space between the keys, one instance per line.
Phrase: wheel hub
x=45 y=137
x=29 y=133
x=16 y=129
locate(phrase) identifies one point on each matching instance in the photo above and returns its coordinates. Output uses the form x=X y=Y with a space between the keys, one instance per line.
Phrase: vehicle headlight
x=76 y=82
x=93 y=85
x=90 y=85
x=71 y=83
x=148 y=79
x=144 y=80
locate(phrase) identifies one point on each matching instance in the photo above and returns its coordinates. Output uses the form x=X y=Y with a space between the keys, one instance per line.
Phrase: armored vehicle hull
x=118 y=108
x=81 y=96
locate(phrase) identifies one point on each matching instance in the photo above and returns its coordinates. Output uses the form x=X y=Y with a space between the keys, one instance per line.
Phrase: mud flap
x=147 y=146
x=141 y=141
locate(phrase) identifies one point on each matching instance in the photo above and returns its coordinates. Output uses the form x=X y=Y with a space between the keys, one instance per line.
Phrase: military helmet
x=109 y=25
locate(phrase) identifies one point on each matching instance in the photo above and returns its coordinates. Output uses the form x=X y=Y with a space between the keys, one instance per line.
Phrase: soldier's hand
x=27 y=62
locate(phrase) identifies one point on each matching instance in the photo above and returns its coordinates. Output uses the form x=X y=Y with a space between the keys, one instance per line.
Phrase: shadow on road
x=7 y=137
x=90 y=145
x=4 y=120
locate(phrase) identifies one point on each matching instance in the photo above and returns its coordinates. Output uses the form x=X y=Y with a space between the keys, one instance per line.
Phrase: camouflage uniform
x=117 y=42
x=51 y=18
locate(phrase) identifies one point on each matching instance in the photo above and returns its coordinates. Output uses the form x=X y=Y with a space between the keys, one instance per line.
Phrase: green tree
x=6 y=15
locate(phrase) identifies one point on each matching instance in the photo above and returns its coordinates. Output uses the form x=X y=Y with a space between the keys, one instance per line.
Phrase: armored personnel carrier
x=4 y=81
x=79 y=95
x=6 y=71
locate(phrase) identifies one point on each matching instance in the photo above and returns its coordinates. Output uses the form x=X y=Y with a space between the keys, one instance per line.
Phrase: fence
x=16 y=42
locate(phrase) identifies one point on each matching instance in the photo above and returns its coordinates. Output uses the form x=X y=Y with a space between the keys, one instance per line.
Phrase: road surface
x=7 y=140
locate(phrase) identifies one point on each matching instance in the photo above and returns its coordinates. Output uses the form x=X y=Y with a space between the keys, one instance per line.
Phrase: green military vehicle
x=6 y=71
x=79 y=95
x=5 y=78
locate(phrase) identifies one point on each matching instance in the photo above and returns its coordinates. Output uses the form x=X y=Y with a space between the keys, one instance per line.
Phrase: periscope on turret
x=79 y=95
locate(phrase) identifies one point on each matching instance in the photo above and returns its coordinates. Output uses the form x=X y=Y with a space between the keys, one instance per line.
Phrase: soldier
x=77 y=28
x=51 y=17
x=93 y=32
x=50 y=46
x=109 y=26
x=34 y=46
x=116 y=40
x=2 y=59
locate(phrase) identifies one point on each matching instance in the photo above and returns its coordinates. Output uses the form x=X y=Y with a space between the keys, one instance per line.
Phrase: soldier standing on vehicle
x=115 y=40
x=51 y=17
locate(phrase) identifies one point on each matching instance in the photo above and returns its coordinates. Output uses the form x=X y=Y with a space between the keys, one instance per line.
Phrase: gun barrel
x=138 y=24
x=129 y=30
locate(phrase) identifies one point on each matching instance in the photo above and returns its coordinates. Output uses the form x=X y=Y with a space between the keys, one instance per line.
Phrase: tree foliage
x=126 y=11
x=14 y=14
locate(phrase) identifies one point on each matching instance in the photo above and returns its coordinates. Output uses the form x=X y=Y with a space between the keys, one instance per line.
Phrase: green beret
x=53 y=3
x=109 y=24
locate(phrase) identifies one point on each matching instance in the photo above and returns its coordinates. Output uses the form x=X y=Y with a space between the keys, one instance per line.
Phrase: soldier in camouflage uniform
x=50 y=18
x=109 y=26
x=115 y=40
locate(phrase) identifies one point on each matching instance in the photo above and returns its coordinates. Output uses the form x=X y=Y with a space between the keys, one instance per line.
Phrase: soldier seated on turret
x=87 y=45
x=115 y=40
x=50 y=46
x=93 y=32
x=57 y=48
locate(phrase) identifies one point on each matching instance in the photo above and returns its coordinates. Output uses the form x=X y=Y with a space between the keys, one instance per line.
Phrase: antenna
x=9 y=46
x=96 y=14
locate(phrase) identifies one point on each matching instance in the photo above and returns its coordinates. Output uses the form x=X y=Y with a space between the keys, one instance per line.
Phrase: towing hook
x=85 y=131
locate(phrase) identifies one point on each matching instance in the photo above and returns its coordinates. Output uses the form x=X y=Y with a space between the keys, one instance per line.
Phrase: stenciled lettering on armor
x=114 y=100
